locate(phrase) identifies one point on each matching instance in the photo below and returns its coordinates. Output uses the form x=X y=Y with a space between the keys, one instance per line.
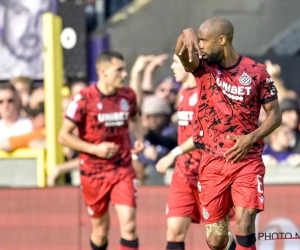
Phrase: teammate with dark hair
x=102 y=113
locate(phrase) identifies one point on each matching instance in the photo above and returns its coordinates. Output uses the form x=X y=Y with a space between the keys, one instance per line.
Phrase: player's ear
x=222 y=40
x=101 y=70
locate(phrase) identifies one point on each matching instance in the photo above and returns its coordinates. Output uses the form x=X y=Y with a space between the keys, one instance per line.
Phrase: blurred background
x=48 y=50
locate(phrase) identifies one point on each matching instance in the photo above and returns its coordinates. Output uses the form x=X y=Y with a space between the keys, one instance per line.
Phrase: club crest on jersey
x=245 y=79
x=100 y=106
x=90 y=211
x=261 y=199
x=205 y=213
x=124 y=106
x=193 y=99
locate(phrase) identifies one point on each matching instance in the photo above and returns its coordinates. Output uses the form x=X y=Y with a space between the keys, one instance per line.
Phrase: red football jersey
x=187 y=164
x=230 y=102
x=104 y=118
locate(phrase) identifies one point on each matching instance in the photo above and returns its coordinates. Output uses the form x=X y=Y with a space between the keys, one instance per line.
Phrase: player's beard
x=214 y=57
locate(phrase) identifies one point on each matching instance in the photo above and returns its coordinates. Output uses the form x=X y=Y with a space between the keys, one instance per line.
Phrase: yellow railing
x=38 y=154
x=53 y=82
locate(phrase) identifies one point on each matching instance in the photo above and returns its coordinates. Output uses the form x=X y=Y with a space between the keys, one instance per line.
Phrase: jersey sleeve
x=267 y=88
x=76 y=109
x=133 y=104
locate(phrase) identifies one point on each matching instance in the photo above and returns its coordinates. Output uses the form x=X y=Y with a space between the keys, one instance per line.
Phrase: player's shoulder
x=188 y=96
x=188 y=91
x=184 y=91
x=126 y=92
x=84 y=94
x=87 y=91
x=252 y=65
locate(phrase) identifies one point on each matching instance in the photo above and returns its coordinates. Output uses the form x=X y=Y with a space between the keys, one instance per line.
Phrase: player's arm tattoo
x=218 y=228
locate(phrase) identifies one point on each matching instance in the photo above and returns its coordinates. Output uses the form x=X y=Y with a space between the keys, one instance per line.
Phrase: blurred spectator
x=279 y=151
x=166 y=89
x=274 y=70
x=63 y=168
x=291 y=116
x=154 y=63
x=160 y=137
x=34 y=139
x=136 y=79
x=37 y=97
x=24 y=86
x=290 y=109
x=76 y=87
x=21 y=42
x=11 y=123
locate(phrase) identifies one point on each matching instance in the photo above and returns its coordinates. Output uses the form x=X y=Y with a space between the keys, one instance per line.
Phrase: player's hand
x=105 y=149
x=164 y=163
x=190 y=42
x=138 y=148
x=141 y=62
x=240 y=149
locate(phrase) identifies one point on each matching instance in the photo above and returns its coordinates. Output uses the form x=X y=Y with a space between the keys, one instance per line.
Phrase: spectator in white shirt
x=11 y=123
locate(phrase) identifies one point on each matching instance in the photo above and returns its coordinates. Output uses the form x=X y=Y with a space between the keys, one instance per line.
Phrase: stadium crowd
x=22 y=122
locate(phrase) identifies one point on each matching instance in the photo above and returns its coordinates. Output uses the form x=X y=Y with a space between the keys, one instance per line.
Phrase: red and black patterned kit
x=102 y=118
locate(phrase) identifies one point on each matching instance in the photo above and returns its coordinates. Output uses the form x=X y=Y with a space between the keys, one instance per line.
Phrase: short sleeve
x=77 y=108
x=267 y=88
x=133 y=104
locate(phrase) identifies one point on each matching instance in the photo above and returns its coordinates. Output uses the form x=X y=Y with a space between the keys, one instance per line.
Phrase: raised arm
x=136 y=80
x=186 y=47
x=155 y=63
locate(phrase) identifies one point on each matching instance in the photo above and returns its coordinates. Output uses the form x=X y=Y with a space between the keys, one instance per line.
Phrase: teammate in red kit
x=183 y=201
x=232 y=89
x=102 y=113
x=183 y=205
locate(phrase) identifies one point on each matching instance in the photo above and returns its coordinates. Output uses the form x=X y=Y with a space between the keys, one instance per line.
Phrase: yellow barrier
x=53 y=82
x=38 y=154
